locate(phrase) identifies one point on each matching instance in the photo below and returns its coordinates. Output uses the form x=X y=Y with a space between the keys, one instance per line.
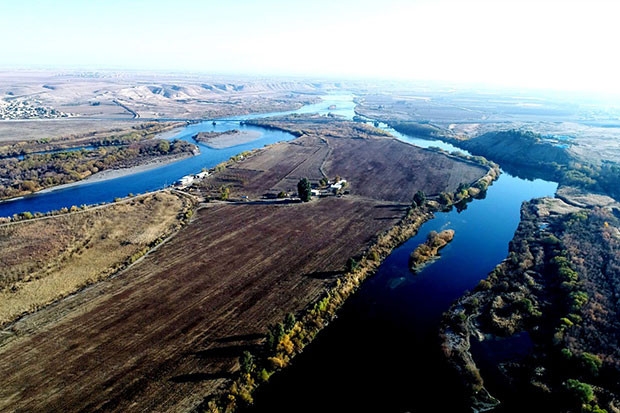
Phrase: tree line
x=38 y=171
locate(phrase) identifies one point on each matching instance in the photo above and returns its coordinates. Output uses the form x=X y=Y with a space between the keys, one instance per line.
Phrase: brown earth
x=168 y=332
x=375 y=166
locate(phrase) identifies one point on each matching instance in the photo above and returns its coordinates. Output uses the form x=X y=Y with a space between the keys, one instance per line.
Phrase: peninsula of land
x=166 y=328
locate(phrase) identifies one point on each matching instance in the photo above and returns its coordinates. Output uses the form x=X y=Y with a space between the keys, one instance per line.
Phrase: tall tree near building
x=304 y=190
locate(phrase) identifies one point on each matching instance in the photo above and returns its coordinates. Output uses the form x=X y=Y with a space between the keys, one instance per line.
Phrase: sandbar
x=227 y=139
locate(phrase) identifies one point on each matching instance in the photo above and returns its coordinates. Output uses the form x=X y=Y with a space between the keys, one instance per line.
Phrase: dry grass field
x=45 y=259
x=167 y=333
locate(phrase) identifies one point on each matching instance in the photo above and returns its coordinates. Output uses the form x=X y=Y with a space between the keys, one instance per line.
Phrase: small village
x=15 y=110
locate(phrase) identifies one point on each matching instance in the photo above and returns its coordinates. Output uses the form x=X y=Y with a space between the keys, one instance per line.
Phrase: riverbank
x=514 y=334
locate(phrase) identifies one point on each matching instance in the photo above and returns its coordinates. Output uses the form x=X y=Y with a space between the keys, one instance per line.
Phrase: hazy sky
x=563 y=44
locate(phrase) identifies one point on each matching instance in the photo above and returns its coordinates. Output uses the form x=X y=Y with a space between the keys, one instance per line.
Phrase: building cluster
x=187 y=180
x=14 y=110
x=333 y=188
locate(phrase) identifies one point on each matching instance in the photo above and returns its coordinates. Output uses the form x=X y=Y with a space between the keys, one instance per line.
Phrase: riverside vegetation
x=428 y=250
x=556 y=288
x=554 y=297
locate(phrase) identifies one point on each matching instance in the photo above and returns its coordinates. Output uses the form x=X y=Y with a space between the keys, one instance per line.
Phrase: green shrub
x=582 y=392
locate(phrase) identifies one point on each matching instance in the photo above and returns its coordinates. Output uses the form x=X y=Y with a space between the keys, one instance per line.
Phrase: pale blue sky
x=563 y=44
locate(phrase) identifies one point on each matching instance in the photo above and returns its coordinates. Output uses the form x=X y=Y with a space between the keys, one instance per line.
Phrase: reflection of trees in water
x=462 y=204
x=528 y=173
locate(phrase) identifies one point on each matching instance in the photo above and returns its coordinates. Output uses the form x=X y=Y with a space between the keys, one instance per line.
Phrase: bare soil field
x=170 y=329
x=168 y=332
x=375 y=166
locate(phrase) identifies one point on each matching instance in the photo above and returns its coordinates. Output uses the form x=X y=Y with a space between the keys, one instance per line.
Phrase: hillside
x=518 y=148
x=87 y=102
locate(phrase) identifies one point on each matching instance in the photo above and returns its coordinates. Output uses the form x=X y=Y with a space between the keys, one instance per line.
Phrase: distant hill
x=518 y=148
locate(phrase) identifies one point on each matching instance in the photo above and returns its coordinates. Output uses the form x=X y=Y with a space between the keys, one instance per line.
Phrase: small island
x=227 y=139
x=429 y=250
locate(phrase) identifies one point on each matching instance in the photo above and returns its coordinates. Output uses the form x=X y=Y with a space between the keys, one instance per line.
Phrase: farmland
x=167 y=333
x=376 y=166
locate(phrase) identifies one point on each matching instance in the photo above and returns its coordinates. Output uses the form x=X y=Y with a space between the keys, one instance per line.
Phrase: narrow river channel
x=381 y=354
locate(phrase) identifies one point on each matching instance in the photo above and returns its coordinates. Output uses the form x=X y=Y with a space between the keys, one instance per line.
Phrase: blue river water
x=91 y=193
x=382 y=352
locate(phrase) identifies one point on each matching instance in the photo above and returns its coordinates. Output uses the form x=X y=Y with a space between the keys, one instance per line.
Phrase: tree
x=582 y=392
x=351 y=264
x=224 y=193
x=591 y=363
x=419 y=198
x=289 y=322
x=304 y=189
x=274 y=335
x=163 y=146
x=246 y=362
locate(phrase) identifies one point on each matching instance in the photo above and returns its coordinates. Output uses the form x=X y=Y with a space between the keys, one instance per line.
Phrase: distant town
x=14 y=110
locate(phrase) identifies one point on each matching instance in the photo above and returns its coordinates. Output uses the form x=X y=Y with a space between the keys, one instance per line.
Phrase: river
x=381 y=354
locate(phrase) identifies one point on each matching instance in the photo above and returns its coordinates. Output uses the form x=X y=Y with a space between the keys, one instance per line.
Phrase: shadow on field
x=323 y=275
x=241 y=337
x=226 y=352
x=386 y=218
x=196 y=377
x=394 y=207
